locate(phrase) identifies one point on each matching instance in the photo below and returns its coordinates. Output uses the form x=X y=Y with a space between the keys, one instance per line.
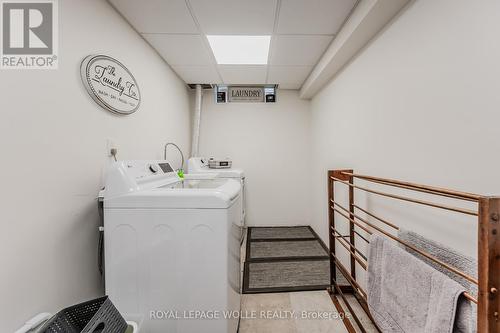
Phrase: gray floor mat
x=311 y=248
x=285 y=259
x=341 y=280
x=281 y=233
x=289 y=274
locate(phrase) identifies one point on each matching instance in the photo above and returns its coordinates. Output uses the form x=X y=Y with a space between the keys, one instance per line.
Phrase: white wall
x=53 y=142
x=271 y=143
x=421 y=103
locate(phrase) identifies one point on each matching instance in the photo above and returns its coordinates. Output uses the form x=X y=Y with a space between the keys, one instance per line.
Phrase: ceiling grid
x=300 y=31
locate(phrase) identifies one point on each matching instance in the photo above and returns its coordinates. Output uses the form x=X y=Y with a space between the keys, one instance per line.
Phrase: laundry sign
x=245 y=94
x=110 y=84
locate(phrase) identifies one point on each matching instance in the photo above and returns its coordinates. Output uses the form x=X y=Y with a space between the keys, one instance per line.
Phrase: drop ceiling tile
x=235 y=17
x=298 y=50
x=170 y=16
x=243 y=74
x=198 y=74
x=181 y=49
x=288 y=77
x=289 y=86
x=313 y=16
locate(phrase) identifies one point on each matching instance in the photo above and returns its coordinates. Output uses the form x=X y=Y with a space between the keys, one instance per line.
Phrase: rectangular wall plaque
x=245 y=94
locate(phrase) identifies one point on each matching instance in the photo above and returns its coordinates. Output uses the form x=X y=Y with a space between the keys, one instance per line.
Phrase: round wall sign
x=110 y=84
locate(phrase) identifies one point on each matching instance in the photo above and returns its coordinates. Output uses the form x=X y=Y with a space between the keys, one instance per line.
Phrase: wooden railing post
x=351 y=225
x=331 y=226
x=489 y=265
x=331 y=197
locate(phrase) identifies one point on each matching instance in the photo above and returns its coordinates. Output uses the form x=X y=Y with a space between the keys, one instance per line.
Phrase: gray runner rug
x=281 y=259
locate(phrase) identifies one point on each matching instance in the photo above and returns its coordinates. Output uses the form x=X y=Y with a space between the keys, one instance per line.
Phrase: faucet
x=180 y=151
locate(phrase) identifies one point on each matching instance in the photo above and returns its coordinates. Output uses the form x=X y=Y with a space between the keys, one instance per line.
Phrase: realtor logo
x=29 y=34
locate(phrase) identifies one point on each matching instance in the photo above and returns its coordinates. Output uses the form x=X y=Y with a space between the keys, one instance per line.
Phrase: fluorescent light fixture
x=240 y=50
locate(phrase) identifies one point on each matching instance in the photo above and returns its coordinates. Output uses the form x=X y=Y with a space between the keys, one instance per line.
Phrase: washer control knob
x=153 y=168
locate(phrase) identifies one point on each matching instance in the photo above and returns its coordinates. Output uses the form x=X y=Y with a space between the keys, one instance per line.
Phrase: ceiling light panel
x=240 y=50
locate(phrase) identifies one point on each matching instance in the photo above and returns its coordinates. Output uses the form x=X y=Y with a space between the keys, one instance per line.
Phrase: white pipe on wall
x=195 y=144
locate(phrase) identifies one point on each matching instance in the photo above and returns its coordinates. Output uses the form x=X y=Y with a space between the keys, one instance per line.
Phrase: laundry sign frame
x=222 y=93
x=110 y=84
x=246 y=94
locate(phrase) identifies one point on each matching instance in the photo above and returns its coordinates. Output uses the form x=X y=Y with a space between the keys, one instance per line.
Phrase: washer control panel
x=146 y=169
x=165 y=167
x=153 y=168
x=128 y=176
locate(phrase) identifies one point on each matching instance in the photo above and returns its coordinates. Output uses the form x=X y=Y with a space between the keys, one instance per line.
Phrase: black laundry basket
x=95 y=316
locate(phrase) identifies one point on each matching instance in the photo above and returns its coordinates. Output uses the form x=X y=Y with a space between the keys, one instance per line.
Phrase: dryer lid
x=134 y=184
x=199 y=165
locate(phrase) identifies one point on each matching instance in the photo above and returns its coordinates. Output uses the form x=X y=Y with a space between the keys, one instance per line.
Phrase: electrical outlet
x=110 y=144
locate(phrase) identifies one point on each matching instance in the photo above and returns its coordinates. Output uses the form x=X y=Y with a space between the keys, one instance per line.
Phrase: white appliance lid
x=198 y=165
x=220 y=193
x=153 y=184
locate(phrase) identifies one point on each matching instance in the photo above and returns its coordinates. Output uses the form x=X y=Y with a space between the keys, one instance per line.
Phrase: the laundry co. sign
x=110 y=84
x=29 y=34
x=246 y=94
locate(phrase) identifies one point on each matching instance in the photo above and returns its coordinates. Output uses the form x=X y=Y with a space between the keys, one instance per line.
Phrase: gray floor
x=310 y=302
x=363 y=317
x=299 y=313
x=288 y=274
x=284 y=232
x=341 y=280
x=311 y=248
x=271 y=267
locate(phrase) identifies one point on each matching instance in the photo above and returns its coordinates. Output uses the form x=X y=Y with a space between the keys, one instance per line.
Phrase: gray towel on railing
x=466 y=312
x=446 y=254
x=407 y=295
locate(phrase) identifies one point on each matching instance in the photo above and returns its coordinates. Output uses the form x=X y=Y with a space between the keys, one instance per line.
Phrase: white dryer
x=200 y=165
x=172 y=248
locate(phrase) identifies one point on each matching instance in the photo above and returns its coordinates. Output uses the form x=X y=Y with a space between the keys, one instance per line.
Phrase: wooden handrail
x=488 y=218
x=348 y=277
x=377 y=218
x=347 y=247
x=417 y=187
x=488 y=310
x=422 y=202
x=425 y=254
x=466 y=294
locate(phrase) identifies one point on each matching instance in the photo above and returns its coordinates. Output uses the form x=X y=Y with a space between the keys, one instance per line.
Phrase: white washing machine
x=172 y=248
x=200 y=165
